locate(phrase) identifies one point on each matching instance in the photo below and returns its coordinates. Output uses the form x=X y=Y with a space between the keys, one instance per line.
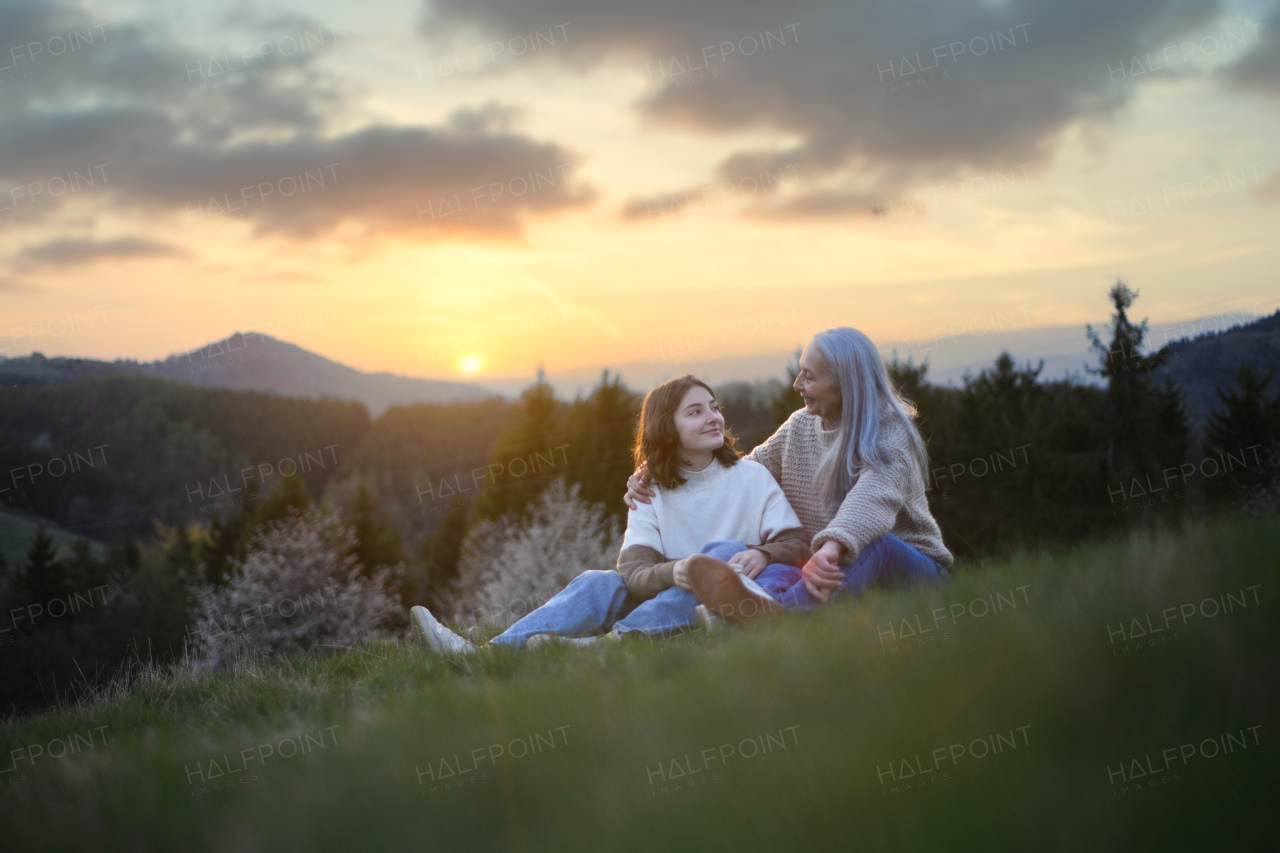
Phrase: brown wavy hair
x=657 y=441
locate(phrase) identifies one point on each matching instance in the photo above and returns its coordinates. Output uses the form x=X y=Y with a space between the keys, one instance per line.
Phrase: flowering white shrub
x=298 y=588
x=510 y=567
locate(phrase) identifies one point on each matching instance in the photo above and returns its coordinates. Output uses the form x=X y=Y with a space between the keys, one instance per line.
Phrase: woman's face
x=699 y=421
x=818 y=385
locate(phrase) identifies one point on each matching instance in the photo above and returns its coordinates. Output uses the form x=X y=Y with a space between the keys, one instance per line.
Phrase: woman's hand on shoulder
x=638 y=490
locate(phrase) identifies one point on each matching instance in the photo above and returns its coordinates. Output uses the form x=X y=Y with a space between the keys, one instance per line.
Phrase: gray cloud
x=463 y=177
x=75 y=252
x=829 y=73
x=1259 y=69
x=172 y=130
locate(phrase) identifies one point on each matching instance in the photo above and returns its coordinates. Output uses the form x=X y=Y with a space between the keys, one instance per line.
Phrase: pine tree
x=376 y=544
x=439 y=557
x=181 y=548
x=906 y=377
x=1146 y=426
x=788 y=399
x=597 y=443
x=1247 y=426
x=517 y=477
x=223 y=546
x=290 y=495
x=43 y=575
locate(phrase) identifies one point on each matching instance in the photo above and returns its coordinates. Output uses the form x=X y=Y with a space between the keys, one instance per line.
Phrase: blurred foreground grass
x=800 y=734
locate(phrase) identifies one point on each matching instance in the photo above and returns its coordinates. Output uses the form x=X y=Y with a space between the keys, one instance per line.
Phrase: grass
x=832 y=700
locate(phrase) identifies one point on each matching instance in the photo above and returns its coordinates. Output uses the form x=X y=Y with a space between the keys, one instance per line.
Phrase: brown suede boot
x=721 y=589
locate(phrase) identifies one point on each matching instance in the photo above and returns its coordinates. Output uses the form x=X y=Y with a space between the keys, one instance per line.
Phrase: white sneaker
x=712 y=623
x=543 y=639
x=437 y=637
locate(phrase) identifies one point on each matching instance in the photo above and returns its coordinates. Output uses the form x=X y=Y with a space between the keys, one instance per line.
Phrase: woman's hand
x=681 y=575
x=822 y=573
x=751 y=561
x=638 y=487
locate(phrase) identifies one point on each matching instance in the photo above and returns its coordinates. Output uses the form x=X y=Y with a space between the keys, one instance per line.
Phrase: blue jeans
x=595 y=602
x=887 y=563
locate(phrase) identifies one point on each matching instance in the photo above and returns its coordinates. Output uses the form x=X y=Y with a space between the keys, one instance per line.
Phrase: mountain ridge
x=253 y=361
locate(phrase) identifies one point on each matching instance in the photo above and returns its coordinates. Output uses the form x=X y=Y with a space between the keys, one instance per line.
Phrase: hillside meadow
x=1119 y=694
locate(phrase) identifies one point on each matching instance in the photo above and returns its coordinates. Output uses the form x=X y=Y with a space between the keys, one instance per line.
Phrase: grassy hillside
x=805 y=728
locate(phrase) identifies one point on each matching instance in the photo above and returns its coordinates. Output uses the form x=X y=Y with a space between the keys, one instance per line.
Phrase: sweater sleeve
x=789 y=546
x=769 y=454
x=644 y=569
x=870 y=510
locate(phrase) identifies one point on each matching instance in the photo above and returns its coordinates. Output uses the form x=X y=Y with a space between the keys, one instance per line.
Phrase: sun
x=470 y=364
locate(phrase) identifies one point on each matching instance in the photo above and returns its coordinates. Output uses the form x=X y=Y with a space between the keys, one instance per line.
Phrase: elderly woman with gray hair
x=852 y=464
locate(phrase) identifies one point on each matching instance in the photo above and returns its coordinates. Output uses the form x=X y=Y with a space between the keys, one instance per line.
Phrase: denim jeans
x=887 y=563
x=595 y=602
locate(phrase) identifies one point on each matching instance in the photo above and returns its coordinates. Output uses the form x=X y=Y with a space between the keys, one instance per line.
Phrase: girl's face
x=699 y=421
x=818 y=386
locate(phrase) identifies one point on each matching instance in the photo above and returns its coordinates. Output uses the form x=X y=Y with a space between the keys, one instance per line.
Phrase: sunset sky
x=464 y=189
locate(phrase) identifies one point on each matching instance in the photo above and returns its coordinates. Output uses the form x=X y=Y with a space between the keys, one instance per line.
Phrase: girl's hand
x=822 y=573
x=681 y=576
x=638 y=487
x=752 y=562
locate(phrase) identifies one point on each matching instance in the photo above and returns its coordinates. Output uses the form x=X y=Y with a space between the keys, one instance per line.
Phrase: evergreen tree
x=376 y=544
x=515 y=474
x=125 y=554
x=1248 y=426
x=226 y=541
x=439 y=557
x=181 y=549
x=1146 y=426
x=43 y=576
x=905 y=376
x=597 y=443
x=290 y=495
x=85 y=573
x=223 y=545
x=788 y=399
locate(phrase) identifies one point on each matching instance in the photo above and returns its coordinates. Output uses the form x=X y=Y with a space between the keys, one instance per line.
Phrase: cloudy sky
x=467 y=188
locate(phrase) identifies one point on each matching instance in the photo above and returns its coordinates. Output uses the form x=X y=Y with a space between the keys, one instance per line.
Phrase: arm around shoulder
x=769 y=453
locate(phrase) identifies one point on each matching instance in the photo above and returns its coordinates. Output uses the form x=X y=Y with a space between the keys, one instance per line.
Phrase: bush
x=298 y=588
x=511 y=566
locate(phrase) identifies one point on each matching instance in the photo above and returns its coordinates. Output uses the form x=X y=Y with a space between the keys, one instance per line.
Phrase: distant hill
x=105 y=455
x=17 y=531
x=254 y=362
x=1202 y=364
x=1064 y=349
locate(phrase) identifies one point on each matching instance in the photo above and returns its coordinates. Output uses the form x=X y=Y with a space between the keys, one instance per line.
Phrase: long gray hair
x=865 y=396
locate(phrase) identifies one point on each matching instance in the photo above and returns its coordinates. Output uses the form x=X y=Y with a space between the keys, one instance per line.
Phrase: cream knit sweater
x=880 y=502
x=738 y=502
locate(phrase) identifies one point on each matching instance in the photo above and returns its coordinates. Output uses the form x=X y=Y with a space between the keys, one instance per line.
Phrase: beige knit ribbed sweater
x=880 y=502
